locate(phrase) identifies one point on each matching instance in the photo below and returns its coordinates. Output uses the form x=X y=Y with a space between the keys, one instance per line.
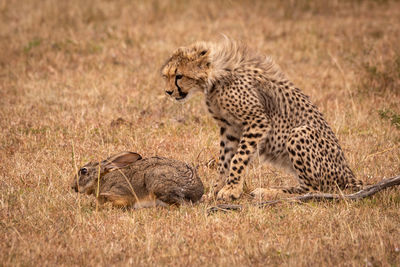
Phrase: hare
x=127 y=180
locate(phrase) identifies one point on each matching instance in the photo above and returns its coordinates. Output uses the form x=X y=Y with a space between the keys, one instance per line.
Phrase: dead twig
x=366 y=192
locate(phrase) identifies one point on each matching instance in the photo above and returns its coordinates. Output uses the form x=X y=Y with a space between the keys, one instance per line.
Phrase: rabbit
x=128 y=180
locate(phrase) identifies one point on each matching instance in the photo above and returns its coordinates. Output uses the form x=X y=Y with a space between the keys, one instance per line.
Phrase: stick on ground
x=366 y=192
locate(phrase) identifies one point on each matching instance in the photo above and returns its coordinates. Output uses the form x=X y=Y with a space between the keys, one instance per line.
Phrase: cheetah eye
x=83 y=171
x=178 y=76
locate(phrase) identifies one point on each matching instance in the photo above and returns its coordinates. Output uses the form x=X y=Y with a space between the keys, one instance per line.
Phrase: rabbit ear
x=120 y=160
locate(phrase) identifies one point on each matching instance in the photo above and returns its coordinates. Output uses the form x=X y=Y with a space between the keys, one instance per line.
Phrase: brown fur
x=127 y=180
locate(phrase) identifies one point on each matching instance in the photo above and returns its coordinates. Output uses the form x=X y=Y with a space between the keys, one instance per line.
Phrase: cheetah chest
x=222 y=116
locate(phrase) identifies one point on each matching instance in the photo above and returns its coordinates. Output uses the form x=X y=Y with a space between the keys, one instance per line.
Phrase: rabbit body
x=142 y=183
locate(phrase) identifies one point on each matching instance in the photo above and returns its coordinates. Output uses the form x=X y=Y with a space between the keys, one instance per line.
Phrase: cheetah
x=259 y=112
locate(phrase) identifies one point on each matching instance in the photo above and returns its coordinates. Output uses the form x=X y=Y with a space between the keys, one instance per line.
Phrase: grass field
x=79 y=81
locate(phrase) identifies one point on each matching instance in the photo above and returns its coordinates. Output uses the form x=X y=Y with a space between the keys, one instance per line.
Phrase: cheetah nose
x=169 y=92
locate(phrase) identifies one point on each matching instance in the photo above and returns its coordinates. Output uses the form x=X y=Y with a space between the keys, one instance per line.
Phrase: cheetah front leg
x=228 y=147
x=249 y=141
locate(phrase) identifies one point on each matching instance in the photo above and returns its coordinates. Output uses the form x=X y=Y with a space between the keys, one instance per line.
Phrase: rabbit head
x=88 y=175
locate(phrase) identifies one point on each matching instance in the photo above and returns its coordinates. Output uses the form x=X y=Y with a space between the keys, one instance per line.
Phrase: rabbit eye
x=83 y=171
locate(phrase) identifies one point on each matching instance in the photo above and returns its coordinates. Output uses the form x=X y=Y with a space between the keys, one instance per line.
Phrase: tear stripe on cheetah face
x=259 y=109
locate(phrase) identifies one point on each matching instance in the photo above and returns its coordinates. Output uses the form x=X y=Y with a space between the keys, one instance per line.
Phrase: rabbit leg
x=149 y=204
x=117 y=200
x=149 y=201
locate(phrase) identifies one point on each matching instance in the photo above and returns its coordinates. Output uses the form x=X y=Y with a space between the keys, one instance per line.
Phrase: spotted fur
x=259 y=111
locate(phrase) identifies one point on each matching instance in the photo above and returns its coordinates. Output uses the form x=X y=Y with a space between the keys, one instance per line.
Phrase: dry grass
x=70 y=69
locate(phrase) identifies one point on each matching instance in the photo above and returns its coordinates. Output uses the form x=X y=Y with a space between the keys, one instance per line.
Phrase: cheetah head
x=186 y=71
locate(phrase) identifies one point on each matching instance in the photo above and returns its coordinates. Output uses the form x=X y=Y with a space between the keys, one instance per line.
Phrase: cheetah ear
x=120 y=160
x=202 y=59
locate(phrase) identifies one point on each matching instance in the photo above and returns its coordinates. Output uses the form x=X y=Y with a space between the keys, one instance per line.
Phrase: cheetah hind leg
x=266 y=193
x=274 y=193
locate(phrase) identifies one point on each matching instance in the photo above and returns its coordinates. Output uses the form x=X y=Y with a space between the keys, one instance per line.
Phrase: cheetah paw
x=264 y=193
x=229 y=192
x=215 y=189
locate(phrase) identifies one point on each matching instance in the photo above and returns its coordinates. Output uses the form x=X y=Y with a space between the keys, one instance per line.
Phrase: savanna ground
x=80 y=81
